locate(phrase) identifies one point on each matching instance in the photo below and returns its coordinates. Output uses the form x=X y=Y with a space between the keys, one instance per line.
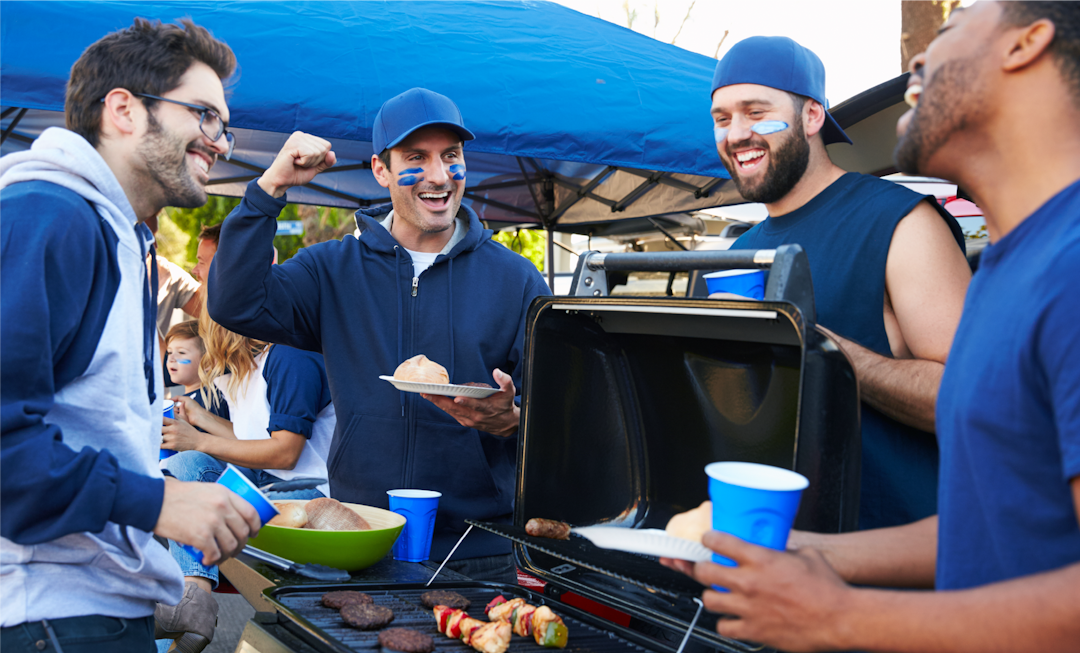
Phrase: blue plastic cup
x=746 y=283
x=756 y=503
x=242 y=485
x=418 y=507
x=168 y=412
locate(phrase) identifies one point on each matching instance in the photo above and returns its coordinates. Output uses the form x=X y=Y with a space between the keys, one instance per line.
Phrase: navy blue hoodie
x=354 y=301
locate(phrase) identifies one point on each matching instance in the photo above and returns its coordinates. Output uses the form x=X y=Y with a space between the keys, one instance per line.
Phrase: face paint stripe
x=184 y=361
x=763 y=128
x=411 y=171
x=457 y=172
x=766 y=127
x=409 y=180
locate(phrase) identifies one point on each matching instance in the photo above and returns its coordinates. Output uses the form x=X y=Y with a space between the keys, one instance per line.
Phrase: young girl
x=282 y=423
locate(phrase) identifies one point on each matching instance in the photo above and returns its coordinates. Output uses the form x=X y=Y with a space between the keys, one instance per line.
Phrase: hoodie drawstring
x=149 y=307
x=450 y=310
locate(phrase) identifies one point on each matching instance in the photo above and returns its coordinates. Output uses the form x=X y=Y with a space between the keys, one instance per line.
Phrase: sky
x=857 y=40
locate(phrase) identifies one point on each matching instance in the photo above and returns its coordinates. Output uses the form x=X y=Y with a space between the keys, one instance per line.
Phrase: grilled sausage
x=556 y=530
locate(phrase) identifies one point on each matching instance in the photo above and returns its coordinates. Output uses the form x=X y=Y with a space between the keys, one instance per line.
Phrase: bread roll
x=692 y=524
x=419 y=369
x=327 y=514
x=291 y=514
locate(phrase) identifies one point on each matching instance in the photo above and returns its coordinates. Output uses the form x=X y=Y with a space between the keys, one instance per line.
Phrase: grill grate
x=305 y=605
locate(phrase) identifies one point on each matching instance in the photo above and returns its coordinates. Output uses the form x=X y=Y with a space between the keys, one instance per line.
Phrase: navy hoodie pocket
x=367 y=460
x=449 y=458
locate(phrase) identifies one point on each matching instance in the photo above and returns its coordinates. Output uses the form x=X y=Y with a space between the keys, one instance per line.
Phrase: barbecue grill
x=624 y=402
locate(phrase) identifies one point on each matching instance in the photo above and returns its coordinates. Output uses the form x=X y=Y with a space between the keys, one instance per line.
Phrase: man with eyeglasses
x=81 y=389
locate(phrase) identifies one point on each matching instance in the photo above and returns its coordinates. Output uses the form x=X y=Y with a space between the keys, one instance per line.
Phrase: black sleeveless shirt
x=846 y=231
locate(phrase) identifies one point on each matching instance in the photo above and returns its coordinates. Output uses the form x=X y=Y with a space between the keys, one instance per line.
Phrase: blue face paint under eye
x=457 y=171
x=766 y=127
x=763 y=128
x=184 y=361
x=409 y=177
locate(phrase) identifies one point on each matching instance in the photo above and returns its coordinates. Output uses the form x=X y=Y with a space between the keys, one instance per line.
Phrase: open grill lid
x=626 y=399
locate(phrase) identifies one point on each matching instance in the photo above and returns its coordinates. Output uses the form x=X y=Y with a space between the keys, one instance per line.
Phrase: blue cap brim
x=465 y=134
x=831 y=132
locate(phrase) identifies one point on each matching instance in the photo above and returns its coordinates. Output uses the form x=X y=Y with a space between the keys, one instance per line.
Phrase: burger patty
x=366 y=616
x=338 y=600
x=406 y=640
x=442 y=597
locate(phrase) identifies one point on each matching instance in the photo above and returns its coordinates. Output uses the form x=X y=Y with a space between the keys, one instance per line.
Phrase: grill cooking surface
x=409 y=612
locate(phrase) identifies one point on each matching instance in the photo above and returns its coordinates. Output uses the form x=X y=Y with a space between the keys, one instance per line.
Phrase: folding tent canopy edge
x=527 y=184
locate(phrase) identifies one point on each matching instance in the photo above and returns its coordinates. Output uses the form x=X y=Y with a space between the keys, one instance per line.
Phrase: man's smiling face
x=948 y=87
x=764 y=167
x=426 y=179
x=176 y=156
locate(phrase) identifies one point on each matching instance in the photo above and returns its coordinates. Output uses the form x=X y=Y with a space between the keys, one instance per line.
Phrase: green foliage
x=191 y=221
x=320 y=223
x=530 y=243
x=172 y=243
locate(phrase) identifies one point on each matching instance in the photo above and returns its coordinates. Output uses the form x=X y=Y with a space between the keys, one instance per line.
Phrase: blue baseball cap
x=780 y=63
x=403 y=114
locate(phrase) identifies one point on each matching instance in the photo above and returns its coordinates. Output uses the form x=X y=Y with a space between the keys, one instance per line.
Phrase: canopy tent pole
x=551 y=257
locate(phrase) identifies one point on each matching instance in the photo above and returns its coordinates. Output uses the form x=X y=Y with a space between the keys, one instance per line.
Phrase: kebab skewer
x=485 y=637
x=546 y=627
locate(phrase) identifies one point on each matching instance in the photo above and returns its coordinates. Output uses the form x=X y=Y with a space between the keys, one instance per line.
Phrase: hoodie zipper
x=415 y=285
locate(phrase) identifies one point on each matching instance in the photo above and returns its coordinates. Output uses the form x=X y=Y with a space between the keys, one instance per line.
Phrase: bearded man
x=81 y=385
x=1003 y=555
x=888 y=264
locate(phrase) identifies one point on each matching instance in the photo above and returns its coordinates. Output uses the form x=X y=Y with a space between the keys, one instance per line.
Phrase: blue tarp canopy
x=578 y=121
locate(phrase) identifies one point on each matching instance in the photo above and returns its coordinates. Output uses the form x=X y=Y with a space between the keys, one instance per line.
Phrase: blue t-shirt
x=296 y=388
x=1008 y=413
x=217 y=406
x=846 y=231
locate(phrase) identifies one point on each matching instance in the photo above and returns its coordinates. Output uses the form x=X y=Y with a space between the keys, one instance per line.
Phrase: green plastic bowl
x=348 y=550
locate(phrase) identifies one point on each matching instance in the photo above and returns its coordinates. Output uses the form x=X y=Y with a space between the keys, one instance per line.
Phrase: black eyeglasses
x=210 y=123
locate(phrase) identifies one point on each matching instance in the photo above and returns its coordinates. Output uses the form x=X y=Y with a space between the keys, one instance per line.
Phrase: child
x=184 y=351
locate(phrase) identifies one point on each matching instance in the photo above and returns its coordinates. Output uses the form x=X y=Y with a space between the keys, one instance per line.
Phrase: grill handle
x=789 y=271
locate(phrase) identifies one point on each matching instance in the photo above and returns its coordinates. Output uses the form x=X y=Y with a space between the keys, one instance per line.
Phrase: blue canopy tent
x=578 y=122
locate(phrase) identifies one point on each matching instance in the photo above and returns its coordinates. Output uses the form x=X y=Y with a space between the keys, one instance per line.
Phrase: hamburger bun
x=326 y=514
x=692 y=524
x=419 y=369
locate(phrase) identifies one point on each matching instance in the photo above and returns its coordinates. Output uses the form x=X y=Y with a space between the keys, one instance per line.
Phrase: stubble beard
x=416 y=208
x=941 y=113
x=165 y=157
x=787 y=165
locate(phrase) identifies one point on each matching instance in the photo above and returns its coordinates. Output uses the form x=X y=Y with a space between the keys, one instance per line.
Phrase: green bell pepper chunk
x=555 y=635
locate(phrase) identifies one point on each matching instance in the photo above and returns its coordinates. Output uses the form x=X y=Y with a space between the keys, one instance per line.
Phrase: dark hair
x=212 y=233
x=148 y=57
x=384 y=156
x=1065 y=48
x=188 y=330
x=798 y=101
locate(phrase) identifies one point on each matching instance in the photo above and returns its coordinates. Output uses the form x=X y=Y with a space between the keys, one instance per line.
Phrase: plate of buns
x=425 y=376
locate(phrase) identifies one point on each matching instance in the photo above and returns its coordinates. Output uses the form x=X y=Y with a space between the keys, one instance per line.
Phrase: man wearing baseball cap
x=424 y=277
x=888 y=264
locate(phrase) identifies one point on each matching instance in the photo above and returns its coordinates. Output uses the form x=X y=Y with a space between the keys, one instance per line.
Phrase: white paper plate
x=646 y=541
x=445 y=389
